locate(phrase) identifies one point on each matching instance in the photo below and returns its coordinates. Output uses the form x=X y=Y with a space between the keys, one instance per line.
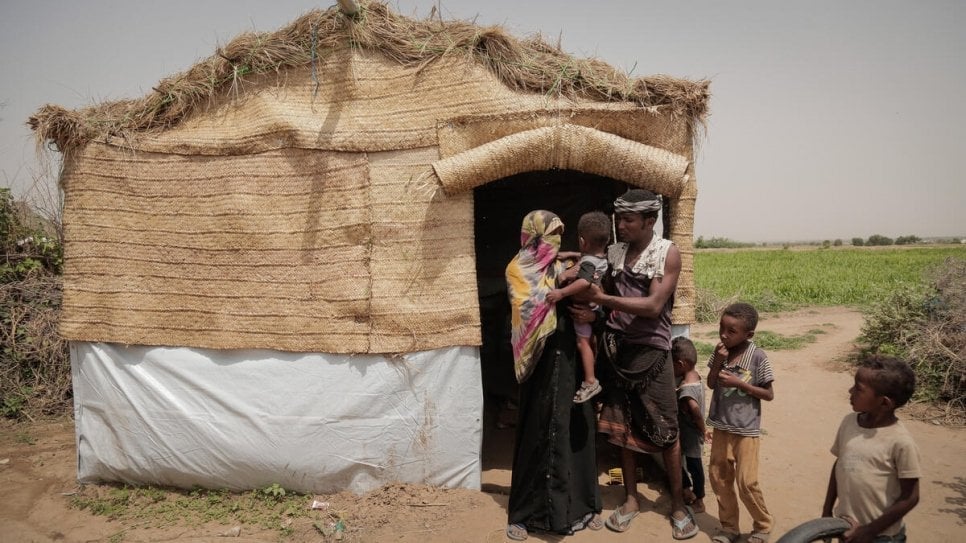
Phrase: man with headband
x=640 y=405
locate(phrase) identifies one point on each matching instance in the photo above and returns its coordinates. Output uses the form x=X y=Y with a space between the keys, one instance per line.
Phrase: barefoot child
x=875 y=479
x=690 y=420
x=593 y=233
x=741 y=376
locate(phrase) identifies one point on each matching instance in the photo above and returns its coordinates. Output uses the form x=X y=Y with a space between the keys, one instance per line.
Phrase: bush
x=858 y=242
x=708 y=305
x=35 y=373
x=720 y=243
x=837 y=243
x=876 y=239
x=927 y=327
x=35 y=369
x=907 y=240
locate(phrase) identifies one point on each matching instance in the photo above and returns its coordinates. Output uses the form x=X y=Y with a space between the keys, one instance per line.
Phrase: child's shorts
x=583 y=329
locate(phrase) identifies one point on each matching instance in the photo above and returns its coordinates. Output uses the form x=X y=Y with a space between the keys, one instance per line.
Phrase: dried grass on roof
x=529 y=65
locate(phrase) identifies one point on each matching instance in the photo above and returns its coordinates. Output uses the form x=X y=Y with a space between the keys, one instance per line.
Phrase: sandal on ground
x=587 y=391
x=759 y=537
x=684 y=528
x=697 y=506
x=590 y=520
x=724 y=537
x=517 y=532
x=620 y=521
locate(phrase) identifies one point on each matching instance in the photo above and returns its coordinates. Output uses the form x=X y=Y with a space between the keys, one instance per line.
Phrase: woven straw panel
x=565 y=147
x=682 y=233
x=424 y=292
x=363 y=102
x=650 y=126
x=261 y=251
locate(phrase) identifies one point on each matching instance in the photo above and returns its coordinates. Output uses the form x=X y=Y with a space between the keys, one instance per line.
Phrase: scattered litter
x=316 y=504
x=4 y=461
x=617 y=476
x=339 y=530
x=323 y=529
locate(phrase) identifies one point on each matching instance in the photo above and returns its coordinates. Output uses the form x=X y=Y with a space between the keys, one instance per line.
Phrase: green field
x=782 y=279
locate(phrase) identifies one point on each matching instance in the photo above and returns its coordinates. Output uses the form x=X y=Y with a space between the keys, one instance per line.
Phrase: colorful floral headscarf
x=529 y=277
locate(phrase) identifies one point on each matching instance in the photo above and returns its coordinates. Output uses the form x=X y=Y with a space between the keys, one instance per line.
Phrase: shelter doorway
x=499 y=208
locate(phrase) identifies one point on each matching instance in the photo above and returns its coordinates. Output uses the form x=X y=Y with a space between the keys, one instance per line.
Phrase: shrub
x=35 y=373
x=858 y=242
x=876 y=239
x=837 y=243
x=708 y=305
x=720 y=243
x=927 y=327
x=907 y=240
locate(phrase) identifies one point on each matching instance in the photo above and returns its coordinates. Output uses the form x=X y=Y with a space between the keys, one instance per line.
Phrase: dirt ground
x=38 y=463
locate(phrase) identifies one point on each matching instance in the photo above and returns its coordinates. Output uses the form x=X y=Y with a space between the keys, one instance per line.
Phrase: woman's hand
x=554 y=296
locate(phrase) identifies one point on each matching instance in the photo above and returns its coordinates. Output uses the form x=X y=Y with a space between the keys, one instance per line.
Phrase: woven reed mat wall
x=363 y=102
x=289 y=216
x=293 y=250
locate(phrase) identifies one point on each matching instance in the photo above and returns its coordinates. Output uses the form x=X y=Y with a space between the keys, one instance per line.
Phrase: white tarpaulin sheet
x=247 y=419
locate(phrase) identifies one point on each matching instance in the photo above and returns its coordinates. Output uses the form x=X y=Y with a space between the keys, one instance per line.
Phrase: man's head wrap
x=645 y=206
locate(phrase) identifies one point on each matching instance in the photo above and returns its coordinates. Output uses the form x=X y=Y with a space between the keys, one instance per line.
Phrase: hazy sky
x=829 y=119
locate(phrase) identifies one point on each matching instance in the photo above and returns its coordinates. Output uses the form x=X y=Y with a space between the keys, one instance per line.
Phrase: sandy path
x=811 y=398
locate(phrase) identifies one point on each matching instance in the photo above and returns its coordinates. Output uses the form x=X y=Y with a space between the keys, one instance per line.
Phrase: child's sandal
x=587 y=392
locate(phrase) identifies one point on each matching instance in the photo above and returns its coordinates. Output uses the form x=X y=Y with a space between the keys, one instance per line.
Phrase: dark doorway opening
x=499 y=208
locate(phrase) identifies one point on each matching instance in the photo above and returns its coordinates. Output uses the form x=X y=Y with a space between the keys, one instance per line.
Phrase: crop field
x=781 y=279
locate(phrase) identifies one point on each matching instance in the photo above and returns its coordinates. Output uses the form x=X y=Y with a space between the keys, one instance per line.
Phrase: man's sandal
x=759 y=537
x=517 y=532
x=724 y=537
x=684 y=528
x=620 y=521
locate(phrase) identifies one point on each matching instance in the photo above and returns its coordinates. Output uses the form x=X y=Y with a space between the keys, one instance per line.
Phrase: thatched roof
x=529 y=65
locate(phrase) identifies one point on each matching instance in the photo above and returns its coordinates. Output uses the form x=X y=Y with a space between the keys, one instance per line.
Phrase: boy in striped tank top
x=740 y=376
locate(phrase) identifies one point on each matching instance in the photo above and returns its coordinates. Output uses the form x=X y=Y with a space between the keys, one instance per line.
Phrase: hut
x=284 y=265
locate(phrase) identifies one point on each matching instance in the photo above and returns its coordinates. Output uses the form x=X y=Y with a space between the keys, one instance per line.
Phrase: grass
x=148 y=506
x=768 y=340
x=781 y=280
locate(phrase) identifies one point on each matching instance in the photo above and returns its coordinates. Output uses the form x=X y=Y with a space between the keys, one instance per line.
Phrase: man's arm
x=659 y=292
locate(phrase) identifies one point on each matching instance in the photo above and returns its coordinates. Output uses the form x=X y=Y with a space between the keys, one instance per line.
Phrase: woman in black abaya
x=554 y=482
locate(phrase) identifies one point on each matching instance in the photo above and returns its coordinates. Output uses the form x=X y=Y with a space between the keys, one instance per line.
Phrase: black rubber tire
x=816 y=530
